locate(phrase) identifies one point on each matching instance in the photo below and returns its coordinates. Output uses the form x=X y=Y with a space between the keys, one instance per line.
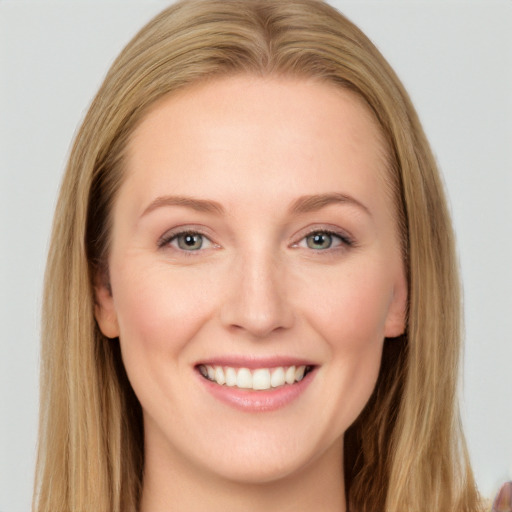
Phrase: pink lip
x=257 y=401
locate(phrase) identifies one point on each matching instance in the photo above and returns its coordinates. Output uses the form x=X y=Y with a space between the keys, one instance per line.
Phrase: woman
x=252 y=293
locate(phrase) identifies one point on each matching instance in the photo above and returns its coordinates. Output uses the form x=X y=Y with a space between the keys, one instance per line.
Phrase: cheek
x=350 y=314
x=159 y=313
x=158 y=310
x=350 y=309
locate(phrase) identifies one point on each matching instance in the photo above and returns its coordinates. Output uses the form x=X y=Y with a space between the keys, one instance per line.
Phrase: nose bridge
x=257 y=301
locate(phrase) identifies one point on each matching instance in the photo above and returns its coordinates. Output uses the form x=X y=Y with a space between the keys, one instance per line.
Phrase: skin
x=255 y=289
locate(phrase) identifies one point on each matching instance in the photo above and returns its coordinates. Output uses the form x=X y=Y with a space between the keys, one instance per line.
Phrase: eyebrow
x=312 y=203
x=200 y=205
x=303 y=204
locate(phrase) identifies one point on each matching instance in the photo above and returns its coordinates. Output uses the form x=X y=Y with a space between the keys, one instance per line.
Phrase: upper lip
x=253 y=363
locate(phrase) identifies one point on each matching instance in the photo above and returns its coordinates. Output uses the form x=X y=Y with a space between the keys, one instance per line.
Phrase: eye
x=319 y=241
x=188 y=241
x=323 y=240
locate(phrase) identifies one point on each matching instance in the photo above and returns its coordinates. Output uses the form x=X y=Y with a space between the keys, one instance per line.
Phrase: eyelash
x=345 y=241
x=168 y=238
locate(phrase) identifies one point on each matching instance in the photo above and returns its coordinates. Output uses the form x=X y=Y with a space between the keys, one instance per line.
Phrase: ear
x=396 y=320
x=104 y=309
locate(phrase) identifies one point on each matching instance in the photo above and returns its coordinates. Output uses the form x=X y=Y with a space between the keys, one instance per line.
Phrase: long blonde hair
x=406 y=451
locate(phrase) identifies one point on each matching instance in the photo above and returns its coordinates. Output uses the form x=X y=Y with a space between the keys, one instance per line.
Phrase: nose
x=257 y=303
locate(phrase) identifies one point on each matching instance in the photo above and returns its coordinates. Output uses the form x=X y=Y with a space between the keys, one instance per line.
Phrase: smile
x=259 y=379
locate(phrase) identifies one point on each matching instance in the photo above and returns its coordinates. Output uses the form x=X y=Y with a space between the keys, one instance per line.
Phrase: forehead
x=252 y=131
x=299 y=99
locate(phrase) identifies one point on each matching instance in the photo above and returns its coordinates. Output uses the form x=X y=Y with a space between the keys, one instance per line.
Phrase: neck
x=177 y=485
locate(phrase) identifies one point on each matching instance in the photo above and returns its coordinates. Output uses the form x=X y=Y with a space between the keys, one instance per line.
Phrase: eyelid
x=169 y=236
x=346 y=240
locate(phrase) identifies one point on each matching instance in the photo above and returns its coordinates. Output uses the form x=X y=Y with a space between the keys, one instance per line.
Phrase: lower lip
x=258 y=401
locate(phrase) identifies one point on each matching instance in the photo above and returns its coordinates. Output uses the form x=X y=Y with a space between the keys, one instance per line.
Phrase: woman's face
x=255 y=269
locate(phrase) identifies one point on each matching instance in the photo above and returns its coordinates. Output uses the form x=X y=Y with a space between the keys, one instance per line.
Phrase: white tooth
x=290 y=375
x=277 y=378
x=210 y=371
x=261 y=379
x=230 y=377
x=299 y=373
x=244 y=378
x=219 y=375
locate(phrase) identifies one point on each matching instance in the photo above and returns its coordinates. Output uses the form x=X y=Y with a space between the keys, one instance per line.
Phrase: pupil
x=190 y=241
x=320 y=241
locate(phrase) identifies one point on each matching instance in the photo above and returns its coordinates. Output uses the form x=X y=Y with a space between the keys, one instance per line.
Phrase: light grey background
x=455 y=58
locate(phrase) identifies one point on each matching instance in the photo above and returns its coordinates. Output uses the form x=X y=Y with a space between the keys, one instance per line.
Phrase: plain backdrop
x=455 y=59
